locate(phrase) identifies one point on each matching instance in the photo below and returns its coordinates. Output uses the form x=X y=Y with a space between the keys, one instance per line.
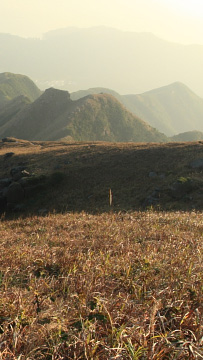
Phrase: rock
x=8 y=155
x=153 y=198
x=149 y=201
x=25 y=173
x=5 y=182
x=18 y=172
x=156 y=193
x=14 y=194
x=9 y=139
x=152 y=174
x=181 y=188
x=196 y=164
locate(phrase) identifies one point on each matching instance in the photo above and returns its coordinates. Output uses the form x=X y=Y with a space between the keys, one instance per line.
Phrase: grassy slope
x=114 y=284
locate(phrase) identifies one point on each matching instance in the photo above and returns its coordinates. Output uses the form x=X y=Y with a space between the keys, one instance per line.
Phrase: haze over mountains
x=96 y=114
x=127 y=62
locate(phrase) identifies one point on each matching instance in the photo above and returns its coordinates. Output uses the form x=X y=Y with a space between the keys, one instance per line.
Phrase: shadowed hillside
x=74 y=176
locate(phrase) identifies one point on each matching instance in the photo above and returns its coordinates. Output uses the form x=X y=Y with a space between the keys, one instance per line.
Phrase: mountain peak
x=57 y=94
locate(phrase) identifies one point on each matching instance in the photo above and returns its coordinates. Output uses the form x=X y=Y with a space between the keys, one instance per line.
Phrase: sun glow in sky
x=174 y=20
x=186 y=7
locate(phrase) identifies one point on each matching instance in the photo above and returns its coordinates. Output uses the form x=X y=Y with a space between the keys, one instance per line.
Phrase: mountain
x=98 y=90
x=13 y=85
x=171 y=109
x=12 y=108
x=129 y=62
x=188 y=136
x=55 y=116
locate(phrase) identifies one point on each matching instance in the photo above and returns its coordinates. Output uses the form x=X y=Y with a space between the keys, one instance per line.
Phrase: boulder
x=181 y=188
x=153 y=198
x=8 y=155
x=152 y=174
x=18 y=172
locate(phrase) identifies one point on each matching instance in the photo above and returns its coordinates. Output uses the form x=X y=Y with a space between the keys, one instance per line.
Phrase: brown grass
x=109 y=286
x=101 y=282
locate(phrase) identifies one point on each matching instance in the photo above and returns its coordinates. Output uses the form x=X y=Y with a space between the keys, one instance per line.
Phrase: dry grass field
x=92 y=281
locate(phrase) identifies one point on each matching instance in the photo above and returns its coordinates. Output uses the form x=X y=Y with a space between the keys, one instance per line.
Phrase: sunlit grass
x=108 y=286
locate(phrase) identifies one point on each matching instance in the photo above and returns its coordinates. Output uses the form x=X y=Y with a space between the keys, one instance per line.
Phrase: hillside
x=14 y=85
x=11 y=108
x=171 y=109
x=77 y=176
x=188 y=136
x=75 y=58
x=54 y=116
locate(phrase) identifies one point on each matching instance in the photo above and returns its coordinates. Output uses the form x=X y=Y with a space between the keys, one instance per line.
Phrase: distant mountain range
x=188 y=136
x=171 y=109
x=129 y=62
x=54 y=116
x=95 y=114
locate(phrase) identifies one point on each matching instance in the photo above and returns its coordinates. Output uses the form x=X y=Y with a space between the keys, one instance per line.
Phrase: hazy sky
x=174 y=20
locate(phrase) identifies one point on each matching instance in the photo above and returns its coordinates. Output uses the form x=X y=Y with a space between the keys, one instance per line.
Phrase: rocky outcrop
x=181 y=188
x=12 y=193
x=23 y=185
